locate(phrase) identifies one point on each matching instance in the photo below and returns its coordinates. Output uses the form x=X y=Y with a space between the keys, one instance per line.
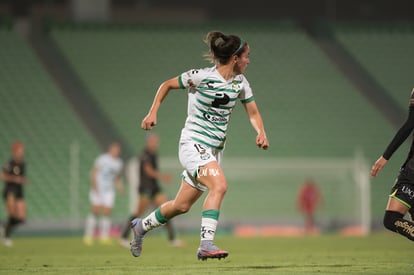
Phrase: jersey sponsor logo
x=221 y=99
x=204 y=172
x=405 y=226
x=214 y=118
x=408 y=191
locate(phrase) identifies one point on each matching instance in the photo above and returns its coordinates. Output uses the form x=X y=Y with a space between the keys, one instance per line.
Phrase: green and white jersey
x=211 y=100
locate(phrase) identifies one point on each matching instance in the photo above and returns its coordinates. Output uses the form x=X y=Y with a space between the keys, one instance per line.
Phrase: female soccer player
x=106 y=175
x=401 y=198
x=13 y=175
x=212 y=95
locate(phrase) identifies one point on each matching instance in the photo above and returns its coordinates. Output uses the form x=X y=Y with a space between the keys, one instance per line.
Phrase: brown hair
x=223 y=47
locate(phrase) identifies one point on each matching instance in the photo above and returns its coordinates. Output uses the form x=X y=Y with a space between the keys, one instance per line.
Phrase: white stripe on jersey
x=211 y=100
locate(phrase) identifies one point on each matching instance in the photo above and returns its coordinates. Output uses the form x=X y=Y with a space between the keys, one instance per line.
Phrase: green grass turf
x=383 y=253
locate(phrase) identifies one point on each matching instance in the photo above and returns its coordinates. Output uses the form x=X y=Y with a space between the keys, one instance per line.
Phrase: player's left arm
x=257 y=123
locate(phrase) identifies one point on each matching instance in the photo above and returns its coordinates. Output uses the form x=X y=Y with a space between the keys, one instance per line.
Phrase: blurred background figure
x=149 y=190
x=308 y=200
x=106 y=174
x=13 y=175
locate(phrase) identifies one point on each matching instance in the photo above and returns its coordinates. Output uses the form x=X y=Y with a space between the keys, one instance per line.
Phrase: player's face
x=242 y=61
x=18 y=154
x=152 y=143
x=115 y=150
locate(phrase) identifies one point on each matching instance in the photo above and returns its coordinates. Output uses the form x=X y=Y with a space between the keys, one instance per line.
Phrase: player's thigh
x=10 y=201
x=106 y=211
x=107 y=202
x=396 y=206
x=21 y=209
x=186 y=196
x=212 y=176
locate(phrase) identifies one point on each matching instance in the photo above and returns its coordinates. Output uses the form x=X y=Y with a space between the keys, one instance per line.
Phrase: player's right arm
x=94 y=173
x=150 y=119
x=401 y=135
x=7 y=176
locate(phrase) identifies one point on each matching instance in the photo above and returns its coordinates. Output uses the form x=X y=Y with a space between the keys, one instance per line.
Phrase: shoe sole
x=219 y=255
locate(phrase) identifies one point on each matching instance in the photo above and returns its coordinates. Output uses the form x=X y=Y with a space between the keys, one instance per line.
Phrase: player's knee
x=182 y=208
x=390 y=218
x=220 y=188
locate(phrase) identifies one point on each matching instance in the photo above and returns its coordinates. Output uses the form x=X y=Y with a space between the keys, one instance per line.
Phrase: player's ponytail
x=223 y=47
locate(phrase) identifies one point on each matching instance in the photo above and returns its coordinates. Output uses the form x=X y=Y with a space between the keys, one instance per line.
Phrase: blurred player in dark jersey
x=13 y=175
x=149 y=190
x=401 y=199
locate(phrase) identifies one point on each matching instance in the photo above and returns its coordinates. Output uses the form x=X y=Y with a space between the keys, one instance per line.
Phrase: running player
x=149 y=190
x=212 y=95
x=13 y=175
x=105 y=175
x=401 y=199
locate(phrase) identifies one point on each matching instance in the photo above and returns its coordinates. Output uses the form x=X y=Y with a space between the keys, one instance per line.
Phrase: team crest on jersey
x=16 y=170
x=236 y=85
x=204 y=155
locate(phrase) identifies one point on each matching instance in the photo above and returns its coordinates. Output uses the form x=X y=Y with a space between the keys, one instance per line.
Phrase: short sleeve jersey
x=211 y=100
x=108 y=169
x=14 y=168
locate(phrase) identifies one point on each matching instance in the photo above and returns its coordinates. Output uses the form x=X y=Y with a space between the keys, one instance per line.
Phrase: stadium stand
x=385 y=50
x=33 y=111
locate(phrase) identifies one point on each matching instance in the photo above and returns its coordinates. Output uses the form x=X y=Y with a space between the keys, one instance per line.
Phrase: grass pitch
x=383 y=253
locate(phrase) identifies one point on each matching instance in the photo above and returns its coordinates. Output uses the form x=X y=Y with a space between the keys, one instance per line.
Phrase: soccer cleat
x=88 y=241
x=124 y=242
x=106 y=241
x=211 y=252
x=177 y=243
x=7 y=242
x=136 y=243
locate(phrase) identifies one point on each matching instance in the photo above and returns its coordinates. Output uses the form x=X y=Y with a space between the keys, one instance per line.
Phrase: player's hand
x=261 y=141
x=149 y=121
x=377 y=167
x=19 y=180
x=166 y=178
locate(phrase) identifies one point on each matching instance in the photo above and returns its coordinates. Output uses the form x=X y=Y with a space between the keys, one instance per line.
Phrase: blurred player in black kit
x=13 y=175
x=149 y=190
x=401 y=199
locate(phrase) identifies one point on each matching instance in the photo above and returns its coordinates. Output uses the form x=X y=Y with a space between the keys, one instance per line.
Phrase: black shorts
x=403 y=189
x=11 y=189
x=149 y=191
